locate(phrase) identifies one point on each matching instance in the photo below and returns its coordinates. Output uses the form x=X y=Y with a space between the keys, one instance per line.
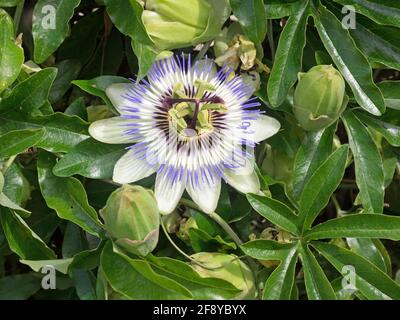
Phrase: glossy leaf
x=127 y=17
x=383 y=11
x=349 y=60
x=267 y=249
x=28 y=96
x=68 y=70
x=358 y=226
x=389 y=131
x=15 y=142
x=97 y=86
x=280 y=283
x=315 y=149
x=251 y=16
x=274 y=211
x=124 y=278
x=378 y=43
x=277 y=9
x=368 y=164
x=66 y=196
x=21 y=239
x=91 y=159
x=19 y=287
x=370 y=280
x=391 y=93
x=317 y=284
x=50 y=25
x=321 y=185
x=61 y=133
x=373 y=250
x=288 y=58
x=11 y=54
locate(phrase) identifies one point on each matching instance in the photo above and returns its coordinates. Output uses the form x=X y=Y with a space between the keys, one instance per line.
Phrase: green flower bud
x=173 y=24
x=229 y=268
x=319 y=98
x=132 y=219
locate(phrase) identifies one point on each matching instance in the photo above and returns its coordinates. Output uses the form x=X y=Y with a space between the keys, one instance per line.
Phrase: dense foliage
x=326 y=223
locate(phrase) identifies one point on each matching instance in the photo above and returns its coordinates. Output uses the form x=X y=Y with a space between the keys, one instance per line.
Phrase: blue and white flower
x=192 y=126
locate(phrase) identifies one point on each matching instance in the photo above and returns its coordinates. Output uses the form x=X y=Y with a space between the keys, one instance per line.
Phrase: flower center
x=193 y=116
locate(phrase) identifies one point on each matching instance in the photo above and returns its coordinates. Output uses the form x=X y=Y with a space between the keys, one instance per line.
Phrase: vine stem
x=227 y=228
x=186 y=255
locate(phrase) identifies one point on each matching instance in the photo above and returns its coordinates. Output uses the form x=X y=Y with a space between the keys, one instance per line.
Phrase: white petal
x=243 y=179
x=130 y=169
x=112 y=130
x=167 y=193
x=263 y=128
x=116 y=93
x=206 y=195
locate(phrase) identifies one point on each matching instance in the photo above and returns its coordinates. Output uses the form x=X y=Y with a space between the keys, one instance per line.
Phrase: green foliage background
x=331 y=198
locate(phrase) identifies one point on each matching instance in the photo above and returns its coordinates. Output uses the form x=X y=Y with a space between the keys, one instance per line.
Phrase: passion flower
x=189 y=124
x=319 y=98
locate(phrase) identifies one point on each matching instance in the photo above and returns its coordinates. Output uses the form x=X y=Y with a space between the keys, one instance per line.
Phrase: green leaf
x=9 y=3
x=60 y=265
x=350 y=61
x=372 y=250
x=252 y=17
x=322 y=184
x=385 y=12
x=182 y=270
x=368 y=164
x=317 y=284
x=11 y=54
x=146 y=56
x=277 y=9
x=29 y=95
x=85 y=284
x=274 y=211
x=267 y=249
x=7 y=203
x=62 y=132
x=50 y=25
x=21 y=239
x=280 y=283
x=391 y=93
x=98 y=86
x=127 y=17
x=378 y=43
x=125 y=279
x=91 y=159
x=315 y=149
x=361 y=225
x=66 y=196
x=68 y=70
x=288 y=58
x=389 y=131
x=20 y=286
x=15 y=142
x=370 y=280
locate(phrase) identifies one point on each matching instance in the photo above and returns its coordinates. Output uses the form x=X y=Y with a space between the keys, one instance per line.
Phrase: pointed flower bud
x=229 y=268
x=319 y=98
x=132 y=219
x=173 y=24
